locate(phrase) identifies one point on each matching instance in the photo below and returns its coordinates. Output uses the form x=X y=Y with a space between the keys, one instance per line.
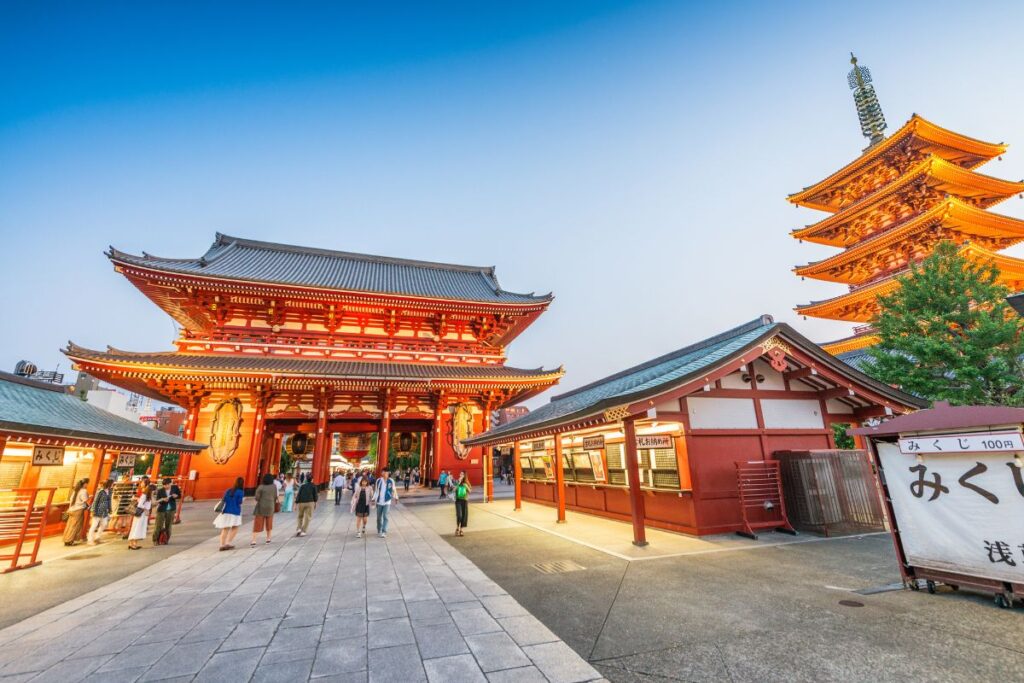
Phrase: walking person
x=338 y=485
x=408 y=480
x=462 y=489
x=229 y=521
x=143 y=504
x=78 y=503
x=166 y=499
x=266 y=505
x=442 y=483
x=100 y=510
x=289 y=493
x=384 y=494
x=360 y=505
x=307 y=497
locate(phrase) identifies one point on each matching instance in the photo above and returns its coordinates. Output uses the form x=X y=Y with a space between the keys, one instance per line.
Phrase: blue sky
x=632 y=157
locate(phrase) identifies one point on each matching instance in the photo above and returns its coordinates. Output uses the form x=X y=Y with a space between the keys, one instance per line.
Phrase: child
x=361 y=506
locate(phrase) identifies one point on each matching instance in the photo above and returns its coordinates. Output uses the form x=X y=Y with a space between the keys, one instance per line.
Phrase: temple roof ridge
x=258 y=261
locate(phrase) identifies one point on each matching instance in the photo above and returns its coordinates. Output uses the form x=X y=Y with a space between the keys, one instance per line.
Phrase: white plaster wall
x=734 y=381
x=668 y=406
x=792 y=414
x=836 y=407
x=772 y=378
x=721 y=413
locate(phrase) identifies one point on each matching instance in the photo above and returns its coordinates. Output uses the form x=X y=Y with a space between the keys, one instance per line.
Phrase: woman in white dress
x=140 y=524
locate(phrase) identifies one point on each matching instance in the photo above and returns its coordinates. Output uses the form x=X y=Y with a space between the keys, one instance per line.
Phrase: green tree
x=948 y=334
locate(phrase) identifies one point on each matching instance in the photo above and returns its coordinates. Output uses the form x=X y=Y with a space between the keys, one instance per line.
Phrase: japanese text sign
x=655 y=441
x=978 y=442
x=593 y=443
x=125 y=460
x=958 y=512
x=48 y=455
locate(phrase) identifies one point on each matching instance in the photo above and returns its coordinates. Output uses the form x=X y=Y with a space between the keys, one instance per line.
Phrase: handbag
x=138 y=511
x=65 y=516
x=277 y=505
x=219 y=507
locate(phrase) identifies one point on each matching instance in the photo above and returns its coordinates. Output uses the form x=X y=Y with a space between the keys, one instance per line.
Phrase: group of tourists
x=134 y=522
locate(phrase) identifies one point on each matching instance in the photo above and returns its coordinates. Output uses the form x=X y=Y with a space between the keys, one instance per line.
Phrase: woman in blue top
x=229 y=521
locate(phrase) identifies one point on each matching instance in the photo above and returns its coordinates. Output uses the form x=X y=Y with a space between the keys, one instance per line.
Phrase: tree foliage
x=948 y=334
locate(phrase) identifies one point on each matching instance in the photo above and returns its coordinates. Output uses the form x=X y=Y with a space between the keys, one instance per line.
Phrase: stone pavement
x=406 y=608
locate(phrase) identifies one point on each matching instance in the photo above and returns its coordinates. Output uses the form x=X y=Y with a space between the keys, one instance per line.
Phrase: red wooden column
x=321 y=451
x=517 y=468
x=96 y=471
x=559 y=479
x=384 y=436
x=157 y=458
x=191 y=425
x=435 y=456
x=256 y=445
x=488 y=461
x=636 y=496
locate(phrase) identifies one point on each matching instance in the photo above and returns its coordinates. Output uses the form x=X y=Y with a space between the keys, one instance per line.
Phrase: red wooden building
x=657 y=444
x=279 y=340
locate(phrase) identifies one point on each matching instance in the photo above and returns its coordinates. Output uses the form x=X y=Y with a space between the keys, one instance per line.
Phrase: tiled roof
x=317 y=367
x=859 y=359
x=623 y=386
x=36 y=408
x=253 y=261
x=668 y=371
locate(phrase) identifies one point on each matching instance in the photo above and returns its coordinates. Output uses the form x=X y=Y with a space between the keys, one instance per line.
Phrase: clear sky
x=632 y=157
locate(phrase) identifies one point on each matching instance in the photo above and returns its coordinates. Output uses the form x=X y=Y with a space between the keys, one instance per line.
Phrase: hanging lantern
x=355 y=446
x=298 y=444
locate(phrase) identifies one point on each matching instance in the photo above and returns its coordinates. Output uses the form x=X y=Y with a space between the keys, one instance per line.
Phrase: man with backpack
x=384 y=493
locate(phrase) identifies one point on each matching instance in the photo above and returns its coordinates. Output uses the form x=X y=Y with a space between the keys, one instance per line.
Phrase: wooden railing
x=23 y=514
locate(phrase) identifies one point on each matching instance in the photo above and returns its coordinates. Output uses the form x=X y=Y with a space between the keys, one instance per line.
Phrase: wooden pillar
x=559 y=479
x=321 y=447
x=636 y=496
x=256 y=446
x=191 y=425
x=435 y=457
x=517 y=468
x=384 y=438
x=96 y=471
x=487 y=454
x=3 y=445
x=155 y=471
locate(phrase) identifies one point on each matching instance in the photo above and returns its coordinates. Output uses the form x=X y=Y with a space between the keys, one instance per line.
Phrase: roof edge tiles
x=672 y=370
x=38 y=410
x=304 y=365
x=242 y=259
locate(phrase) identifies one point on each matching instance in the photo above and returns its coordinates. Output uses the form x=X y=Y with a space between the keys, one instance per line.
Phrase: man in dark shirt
x=305 y=503
x=166 y=505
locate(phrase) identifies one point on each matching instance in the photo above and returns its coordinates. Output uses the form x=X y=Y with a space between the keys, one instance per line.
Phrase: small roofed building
x=334 y=351
x=50 y=438
x=657 y=444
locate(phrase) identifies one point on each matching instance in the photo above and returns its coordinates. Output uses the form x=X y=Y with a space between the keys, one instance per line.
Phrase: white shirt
x=339 y=482
x=380 y=491
x=278 y=485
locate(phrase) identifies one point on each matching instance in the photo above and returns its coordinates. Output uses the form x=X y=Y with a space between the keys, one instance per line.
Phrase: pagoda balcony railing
x=863 y=329
x=357 y=344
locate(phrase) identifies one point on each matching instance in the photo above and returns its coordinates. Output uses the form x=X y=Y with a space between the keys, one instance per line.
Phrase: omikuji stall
x=50 y=439
x=954 y=493
x=662 y=444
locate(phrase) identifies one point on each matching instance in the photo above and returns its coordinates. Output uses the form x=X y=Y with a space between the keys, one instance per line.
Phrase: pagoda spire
x=869 y=111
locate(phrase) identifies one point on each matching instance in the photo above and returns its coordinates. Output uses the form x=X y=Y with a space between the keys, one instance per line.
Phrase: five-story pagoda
x=279 y=340
x=894 y=203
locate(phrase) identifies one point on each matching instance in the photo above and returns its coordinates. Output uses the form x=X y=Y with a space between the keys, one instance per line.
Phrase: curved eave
x=1010 y=270
x=857 y=343
x=969 y=182
x=165 y=268
x=98 y=438
x=594 y=414
x=965 y=219
x=149 y=367
x=916 y=126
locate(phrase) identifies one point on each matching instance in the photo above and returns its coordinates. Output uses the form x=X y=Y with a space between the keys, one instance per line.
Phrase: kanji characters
x=999 y=552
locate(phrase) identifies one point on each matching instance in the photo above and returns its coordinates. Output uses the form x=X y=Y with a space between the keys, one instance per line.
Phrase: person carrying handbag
x=461 y=493
x=229 y=521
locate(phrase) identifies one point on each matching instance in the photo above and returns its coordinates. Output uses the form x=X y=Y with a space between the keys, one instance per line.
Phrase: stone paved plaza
x=405 y=608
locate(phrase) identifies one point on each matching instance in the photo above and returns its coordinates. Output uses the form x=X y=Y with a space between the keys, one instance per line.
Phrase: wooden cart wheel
x=931 y=586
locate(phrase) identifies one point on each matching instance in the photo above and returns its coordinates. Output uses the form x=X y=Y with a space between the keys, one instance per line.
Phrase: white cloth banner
x=961 y=512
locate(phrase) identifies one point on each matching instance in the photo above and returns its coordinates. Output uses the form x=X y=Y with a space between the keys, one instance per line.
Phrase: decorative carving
x=226 y=430
x=461 y=428
x=776 y=350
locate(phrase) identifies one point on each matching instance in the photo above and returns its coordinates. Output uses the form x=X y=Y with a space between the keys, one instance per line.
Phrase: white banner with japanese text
x=958 y=512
